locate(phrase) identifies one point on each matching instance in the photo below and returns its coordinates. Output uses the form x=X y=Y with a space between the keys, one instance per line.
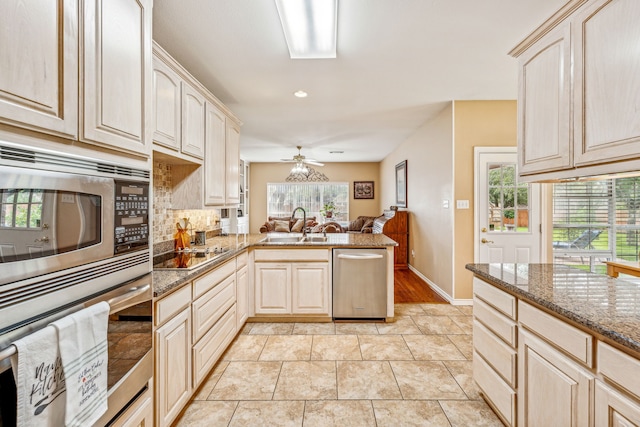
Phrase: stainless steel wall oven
x=75 y=231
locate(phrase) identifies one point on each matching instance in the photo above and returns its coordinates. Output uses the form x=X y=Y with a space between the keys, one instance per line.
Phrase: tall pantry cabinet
x=66 y=66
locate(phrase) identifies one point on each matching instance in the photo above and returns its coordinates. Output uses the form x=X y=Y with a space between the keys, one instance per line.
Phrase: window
x=508 y=200
x=594 y=221
x=283 y=198
x=21 y=208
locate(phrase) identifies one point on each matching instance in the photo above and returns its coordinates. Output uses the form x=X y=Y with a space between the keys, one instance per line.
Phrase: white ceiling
x=398 y=62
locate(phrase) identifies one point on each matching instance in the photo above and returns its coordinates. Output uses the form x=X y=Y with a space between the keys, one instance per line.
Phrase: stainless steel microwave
x=67 y=223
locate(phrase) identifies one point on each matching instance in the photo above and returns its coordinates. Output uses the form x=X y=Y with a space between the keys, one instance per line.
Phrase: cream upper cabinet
x=215 y=156
x=166 y=102
x=116 y=74
x=193 y=108
x=544 y=102
x=578 y=98
x=607 y=82
x=38 y=65
x=232 y=163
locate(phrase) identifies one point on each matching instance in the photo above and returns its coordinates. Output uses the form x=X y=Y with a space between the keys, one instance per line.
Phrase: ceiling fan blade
x=288 y=160
x=312 y=162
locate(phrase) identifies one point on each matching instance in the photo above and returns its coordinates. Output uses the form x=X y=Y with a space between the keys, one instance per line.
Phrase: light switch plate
x=462 y=204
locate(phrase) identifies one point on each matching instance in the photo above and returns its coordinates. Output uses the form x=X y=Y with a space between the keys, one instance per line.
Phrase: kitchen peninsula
x=198 y=311
x=556 y=345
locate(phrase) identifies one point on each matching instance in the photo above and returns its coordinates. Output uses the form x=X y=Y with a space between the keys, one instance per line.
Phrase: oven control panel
x=131 y=219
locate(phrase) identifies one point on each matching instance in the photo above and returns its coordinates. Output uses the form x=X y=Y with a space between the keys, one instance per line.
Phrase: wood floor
x=409 y=287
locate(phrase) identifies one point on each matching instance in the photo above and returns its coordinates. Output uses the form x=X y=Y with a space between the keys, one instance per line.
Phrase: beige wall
x=429 y=155
x=476 y=124
x=263 y=173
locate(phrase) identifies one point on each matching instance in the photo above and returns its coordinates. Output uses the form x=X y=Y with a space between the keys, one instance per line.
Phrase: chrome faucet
x=304 y=219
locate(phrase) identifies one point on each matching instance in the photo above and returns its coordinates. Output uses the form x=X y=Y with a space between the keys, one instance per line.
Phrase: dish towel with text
x=40 y=382
x=82 y=339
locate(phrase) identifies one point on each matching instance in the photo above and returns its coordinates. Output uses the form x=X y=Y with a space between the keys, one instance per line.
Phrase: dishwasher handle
x=360 y=256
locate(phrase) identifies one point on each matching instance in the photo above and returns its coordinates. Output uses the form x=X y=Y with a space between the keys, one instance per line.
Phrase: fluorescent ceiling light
x=309 y=27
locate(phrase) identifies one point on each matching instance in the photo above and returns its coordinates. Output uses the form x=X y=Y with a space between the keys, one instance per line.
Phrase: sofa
x=362 y=224
x=286 y=224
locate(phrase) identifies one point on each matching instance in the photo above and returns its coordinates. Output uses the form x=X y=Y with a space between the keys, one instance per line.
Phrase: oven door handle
x=132 y=297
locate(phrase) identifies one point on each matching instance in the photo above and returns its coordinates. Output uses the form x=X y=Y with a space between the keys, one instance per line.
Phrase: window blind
x=283 y=198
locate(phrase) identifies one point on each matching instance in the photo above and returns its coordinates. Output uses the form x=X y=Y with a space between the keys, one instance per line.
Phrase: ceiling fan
x=301 y=160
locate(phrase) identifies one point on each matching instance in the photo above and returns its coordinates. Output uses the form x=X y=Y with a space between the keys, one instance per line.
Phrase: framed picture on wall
x=401 y=184
x=363 y=189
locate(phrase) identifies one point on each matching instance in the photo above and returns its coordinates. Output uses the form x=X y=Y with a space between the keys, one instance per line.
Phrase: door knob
x=486 y=241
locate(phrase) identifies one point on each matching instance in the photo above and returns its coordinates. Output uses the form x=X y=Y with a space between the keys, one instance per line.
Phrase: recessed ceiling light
x=300 y=94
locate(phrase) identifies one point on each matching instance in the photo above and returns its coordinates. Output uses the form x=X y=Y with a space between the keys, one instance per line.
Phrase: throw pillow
x=356 y=224
x=282 y=226
x=297 y=227
x=367 y=224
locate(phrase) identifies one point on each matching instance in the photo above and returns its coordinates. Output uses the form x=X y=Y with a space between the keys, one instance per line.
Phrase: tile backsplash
x=165 y=217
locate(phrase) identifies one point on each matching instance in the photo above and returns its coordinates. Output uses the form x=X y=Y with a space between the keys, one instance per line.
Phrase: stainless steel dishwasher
x=359 y=283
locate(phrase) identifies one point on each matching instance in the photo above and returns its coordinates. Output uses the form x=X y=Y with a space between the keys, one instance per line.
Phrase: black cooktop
x=186 y=259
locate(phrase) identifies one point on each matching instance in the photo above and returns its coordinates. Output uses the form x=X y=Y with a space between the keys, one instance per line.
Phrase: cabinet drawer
x=619 y=367
x=495 y=389
x=572 y=340
x=203 y=283
x=207 y=351
x=211 y=306
x=242 y=260
x=496 y=322
x=291 y=255
x=496 y=298
x=170 y=305
x=499 y=355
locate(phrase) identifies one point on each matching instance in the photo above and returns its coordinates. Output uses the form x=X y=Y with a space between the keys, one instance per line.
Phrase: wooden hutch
x=395 y=225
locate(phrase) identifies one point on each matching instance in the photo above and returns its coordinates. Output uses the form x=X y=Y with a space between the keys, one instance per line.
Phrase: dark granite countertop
x=605 y=305
x=165 y=281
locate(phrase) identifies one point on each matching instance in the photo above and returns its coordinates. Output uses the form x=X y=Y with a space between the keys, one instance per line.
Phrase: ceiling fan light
x=309 y=27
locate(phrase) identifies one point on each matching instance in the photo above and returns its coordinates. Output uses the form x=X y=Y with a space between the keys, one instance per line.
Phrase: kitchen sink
x=283 y=239
x=298 y=238
x=312 y=239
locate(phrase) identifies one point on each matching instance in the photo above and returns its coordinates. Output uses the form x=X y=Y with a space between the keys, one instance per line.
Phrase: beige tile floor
x=413 y=372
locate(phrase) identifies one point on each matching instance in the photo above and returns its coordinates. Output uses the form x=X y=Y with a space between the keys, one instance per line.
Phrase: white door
x=507 y=213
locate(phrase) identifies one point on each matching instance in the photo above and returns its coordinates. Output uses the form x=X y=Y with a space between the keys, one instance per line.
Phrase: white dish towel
x=37 y=369
x=82 y=339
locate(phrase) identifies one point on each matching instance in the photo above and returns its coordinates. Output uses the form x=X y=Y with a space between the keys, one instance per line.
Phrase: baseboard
x=439 y=291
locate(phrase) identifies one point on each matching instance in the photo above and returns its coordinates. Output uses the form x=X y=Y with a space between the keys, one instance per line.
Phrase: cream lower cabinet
x=617 y=400
x=195 y=325
x=286 y=287
x=495 y=351
x=173 y=355
x=558 y=381
x=242 y=290
x=553 y=389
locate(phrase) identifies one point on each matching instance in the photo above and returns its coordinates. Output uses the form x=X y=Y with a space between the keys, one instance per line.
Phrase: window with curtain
x=283 y=198
x=594 y=221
